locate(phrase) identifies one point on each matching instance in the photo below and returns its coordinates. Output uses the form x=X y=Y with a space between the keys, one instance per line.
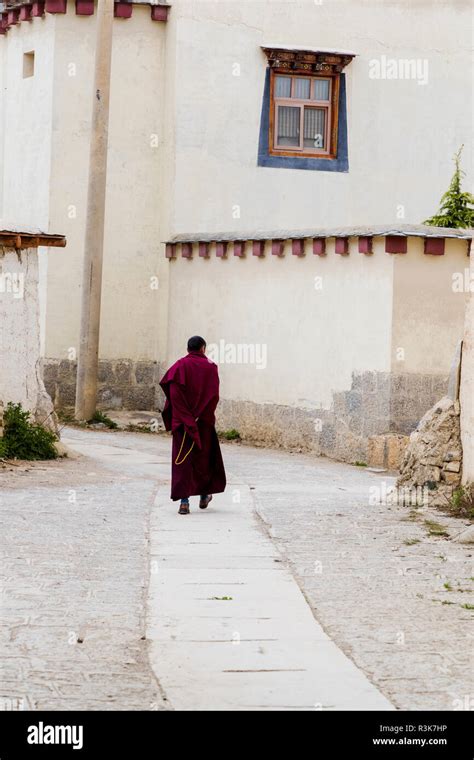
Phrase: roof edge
x=402 y=230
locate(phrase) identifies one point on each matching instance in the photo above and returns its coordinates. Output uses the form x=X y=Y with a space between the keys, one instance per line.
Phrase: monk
x=191 y=387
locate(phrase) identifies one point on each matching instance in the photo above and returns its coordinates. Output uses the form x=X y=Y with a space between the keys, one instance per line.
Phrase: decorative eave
x=32 y=239
x=302 y=241
x=307 y=59
x=18 y=11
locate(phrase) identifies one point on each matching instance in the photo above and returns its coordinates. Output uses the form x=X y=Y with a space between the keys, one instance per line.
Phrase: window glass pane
x=288 y=126
x=282 y=87
x=321 y=89
x=314 y=128
x=301 y=88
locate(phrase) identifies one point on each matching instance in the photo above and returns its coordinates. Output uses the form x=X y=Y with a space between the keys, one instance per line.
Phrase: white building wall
x=28 y=118
x=467 y=386
x=402 y=135
x=428 y=313
x=20 y=372
x=45 y=175
x=132 y=240
x=318 y=320
x=26 y=136
x=176 y=81
x=328 y=353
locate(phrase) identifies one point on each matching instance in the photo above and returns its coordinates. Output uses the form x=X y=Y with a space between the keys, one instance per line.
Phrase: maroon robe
x=191 y=387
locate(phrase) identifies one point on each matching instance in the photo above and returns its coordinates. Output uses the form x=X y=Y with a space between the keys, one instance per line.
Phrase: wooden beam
x=434 y=246
x=319 y=246
x=278 y=247
x=365 y=244
x=123 y=10
x=395 y=244
x=23 y=240
x=342 y=246
x=297 y=247
x=85 y=7
x=159 y=12
x=38 y=8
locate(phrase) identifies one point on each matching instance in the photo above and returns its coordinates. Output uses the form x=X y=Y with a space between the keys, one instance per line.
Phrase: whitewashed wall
x=20 y=372
x=46 y=146
x=176 y=81
x=467 y=386
x=321 y=319
x=401 y=140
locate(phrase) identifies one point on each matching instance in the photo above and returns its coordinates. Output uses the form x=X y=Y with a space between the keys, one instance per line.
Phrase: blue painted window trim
x=339 y=164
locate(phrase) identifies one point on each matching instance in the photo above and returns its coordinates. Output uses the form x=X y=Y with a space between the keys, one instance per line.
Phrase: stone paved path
x=73 y=589
x=395 y=608
x=228 y=624
x=76 y=543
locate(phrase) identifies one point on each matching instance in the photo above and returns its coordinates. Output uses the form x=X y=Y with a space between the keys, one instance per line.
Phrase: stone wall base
x=123 y=384
x=368 y=423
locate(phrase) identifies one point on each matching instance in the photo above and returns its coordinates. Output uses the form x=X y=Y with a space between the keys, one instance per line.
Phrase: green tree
x=455 y=205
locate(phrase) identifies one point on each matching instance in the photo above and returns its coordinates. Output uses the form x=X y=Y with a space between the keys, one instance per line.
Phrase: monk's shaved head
x=196 y=343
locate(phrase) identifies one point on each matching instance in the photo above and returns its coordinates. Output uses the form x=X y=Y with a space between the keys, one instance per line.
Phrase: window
x=28 y=64
x=303 y=114
x=303 y=121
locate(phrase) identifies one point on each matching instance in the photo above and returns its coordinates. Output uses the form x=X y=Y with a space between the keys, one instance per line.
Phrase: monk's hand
x=194 y=433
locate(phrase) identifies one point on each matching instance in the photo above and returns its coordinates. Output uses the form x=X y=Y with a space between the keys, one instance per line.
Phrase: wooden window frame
x=332 y=106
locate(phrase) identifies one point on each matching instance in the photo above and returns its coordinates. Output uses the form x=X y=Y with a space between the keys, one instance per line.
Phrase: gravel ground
x=395 y=608
x=75 y=576
x=74 y=583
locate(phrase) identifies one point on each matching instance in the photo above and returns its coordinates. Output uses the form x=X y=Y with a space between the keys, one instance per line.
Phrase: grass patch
x=24 y=439
x=66 y=416
x=231 y=435
x=412 y=516
x=435 y=529
x=221 y=598
x=104 y=419
x=411 y=541
x=462 y=502
x=131 y=428
x=467 y=606
x=448 y=586
x=360 y=464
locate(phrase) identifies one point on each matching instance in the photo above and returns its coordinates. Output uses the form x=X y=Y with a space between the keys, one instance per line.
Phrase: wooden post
x=88 y=359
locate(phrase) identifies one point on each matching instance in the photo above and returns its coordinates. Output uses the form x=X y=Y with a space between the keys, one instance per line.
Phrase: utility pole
x=88 y=359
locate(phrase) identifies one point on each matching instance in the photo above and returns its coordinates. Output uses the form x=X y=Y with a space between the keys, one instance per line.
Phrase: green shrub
x=231 y=435
x=23 y=439
x=104 y=419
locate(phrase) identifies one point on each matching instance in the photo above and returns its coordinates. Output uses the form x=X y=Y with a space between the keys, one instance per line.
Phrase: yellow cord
x=180 y=450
